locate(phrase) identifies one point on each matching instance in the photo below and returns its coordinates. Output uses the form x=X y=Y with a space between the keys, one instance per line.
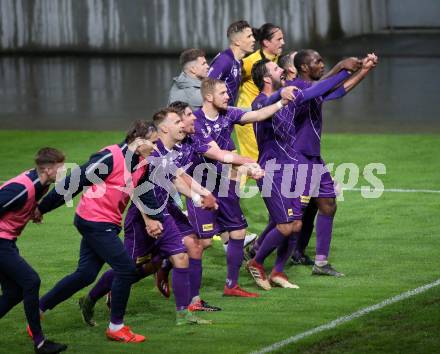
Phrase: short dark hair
x=161 y=114
x=266 y=31
x=179 y=106
x=208 y=85
x=259 y=72
x=285 y=60
x=48 y=156
x=140 y=129
x=237 y=27
x=302 y=57
x=189 y=55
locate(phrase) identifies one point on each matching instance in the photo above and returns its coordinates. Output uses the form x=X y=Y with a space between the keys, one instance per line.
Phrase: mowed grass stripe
x=341 y=320
x=383 y=245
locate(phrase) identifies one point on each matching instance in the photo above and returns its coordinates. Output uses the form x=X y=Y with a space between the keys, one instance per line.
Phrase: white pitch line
x=386 y=190
x=348 y=318
x=394 y=190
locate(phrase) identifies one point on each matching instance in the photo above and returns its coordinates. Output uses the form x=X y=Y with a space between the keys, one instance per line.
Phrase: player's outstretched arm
x=224 y=156
x=262 y=114
x=368 y=63
x=322 y=87
x=351 y=64
x=97 y=168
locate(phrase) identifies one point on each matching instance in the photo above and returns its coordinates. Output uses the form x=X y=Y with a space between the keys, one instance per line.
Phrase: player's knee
x=87 y=277
x=193 y=246
x=237 y=234
x=296 y=226
x=328 y=207
x=284 y=229
x=180 y=260
x=33 y=283
x=288 y=229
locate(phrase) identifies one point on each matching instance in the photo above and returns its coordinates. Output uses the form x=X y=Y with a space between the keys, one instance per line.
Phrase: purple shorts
x=314 y=178
x=228 y=216
x=181 y=220
x=139 y=245
x=281 y=202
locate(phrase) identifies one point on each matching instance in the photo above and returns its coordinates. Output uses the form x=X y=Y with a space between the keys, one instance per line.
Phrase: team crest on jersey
x=206 y=132
x=289 y=212
x=208 y=227
x=235 y=71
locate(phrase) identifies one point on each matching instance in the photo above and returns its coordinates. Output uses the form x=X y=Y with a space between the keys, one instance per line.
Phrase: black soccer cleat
x=326 y=270
x=201 y=305
x=301 y=259
x=87 y=307
x=50 y=347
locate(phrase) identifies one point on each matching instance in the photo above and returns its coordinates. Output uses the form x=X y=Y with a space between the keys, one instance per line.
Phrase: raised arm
x=352 y=64
x=368 y=63
x=92 y=172
x=321 y=87
x=261 y=114
x=286 y=93
x=224 y=156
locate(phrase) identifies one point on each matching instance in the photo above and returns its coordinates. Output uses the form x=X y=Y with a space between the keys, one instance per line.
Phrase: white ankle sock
x=321 y=263
x=115 y=327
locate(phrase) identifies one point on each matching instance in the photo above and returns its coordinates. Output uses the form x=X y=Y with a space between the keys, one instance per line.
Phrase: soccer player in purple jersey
x=308 y=120
x=98 y=217
x=309 y=207
x=227 y=65
x=145 y=237
x=215 y=122
x=189 y=152
x=275 y=139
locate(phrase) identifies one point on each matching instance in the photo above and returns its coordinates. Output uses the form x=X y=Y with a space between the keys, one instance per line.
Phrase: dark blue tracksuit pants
x=19 y=281
x=100 y=244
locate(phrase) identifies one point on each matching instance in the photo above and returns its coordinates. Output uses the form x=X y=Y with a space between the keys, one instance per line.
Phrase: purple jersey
x=189 y=151
x=275 y=136
x=162 y=167
x=228 y=69
x=218 y=129
x=308 y=115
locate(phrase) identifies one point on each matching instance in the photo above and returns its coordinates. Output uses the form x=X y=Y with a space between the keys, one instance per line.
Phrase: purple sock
x=272 y=240
x=195 y=276
x=234 y=257
x=103 y=286
x=181 y=288
x=284 y=251
x=270 y=225
x=37 y=337
x=324 y=226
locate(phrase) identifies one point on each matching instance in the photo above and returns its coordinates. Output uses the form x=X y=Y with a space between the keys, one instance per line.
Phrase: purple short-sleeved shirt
x=228 y=69
x=218 y=129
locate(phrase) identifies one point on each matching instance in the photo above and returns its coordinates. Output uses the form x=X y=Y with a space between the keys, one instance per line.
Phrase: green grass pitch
x=385 y=246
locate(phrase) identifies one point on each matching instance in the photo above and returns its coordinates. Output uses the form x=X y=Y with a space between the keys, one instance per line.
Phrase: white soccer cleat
x=257 y=272
x=280 y=279
x=249 y=239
